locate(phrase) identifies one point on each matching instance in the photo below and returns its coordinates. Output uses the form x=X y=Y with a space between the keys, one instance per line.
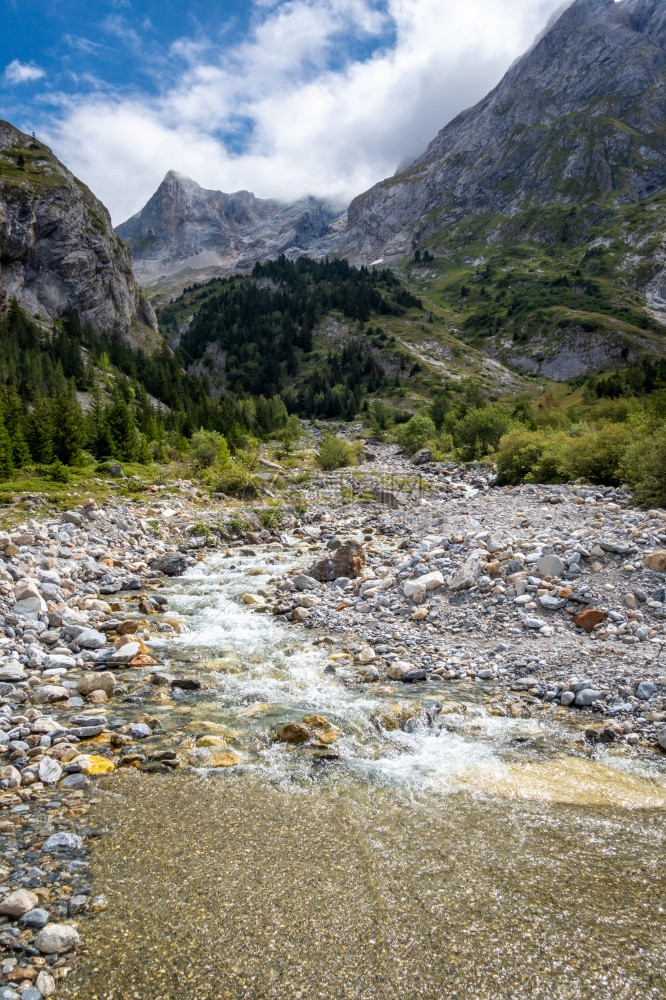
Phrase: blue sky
x=283 y=97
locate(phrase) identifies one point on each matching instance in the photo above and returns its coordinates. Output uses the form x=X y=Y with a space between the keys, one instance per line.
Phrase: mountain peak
x=578 y=118
x=175 y=177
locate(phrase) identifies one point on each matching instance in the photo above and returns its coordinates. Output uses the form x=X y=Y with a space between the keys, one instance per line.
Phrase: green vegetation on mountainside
x=323 y=335
x=550 y=280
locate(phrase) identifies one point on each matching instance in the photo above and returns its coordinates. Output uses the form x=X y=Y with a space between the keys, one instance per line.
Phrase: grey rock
x=32 y=993
x=50 y=771
x=551 y=566
x=183 y=226
x=587 y=697
x=45 y=983
x=466 y=576
x=423 y=457
x=552 y=603
x=59 y=249
x=645 y=690
x=661 y=739
x=12 y=673
x=57 y=939
x=76 y=782
x=90 y=638
x=62 y=842
x=140 y=731
x=567 y=698
x=171 y=564
x=35 y=919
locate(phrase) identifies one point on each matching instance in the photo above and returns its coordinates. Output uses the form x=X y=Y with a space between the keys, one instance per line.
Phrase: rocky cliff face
x=58 y=249
x=186 y=228
x=579 y=118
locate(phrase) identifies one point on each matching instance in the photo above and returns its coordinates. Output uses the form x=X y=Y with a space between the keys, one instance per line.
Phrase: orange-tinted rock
x=143 y=660
x=656 y=561
x=588 y=620
x=294 y=733
x=348 y=559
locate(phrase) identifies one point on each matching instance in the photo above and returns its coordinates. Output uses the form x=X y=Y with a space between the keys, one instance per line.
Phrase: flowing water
x=413 y=849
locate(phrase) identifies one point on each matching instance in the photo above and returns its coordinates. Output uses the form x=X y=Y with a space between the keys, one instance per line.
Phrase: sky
x=280 y=97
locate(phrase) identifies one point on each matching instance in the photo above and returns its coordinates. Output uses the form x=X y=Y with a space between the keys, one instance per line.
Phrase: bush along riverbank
x=424 y=580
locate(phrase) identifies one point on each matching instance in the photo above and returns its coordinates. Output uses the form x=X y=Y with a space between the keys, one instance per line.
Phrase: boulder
x=171 y=564
x=56 y=939
x=551 y=566
x=348 y=559
x=645 y=690
x=587 y=697
x=466 y=576
x=125 y=654
x=17 y=903
x=589 y=619
x=11 y=673
x=656 y=561
x=294 y=733
x=90 y=682
x=423 y=457
x=62 y=842
x=429 y=581
x=398 y=669
x=50 y=771
x=90 y=638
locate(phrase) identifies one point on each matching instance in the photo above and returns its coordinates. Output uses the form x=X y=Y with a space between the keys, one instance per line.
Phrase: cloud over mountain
x=320 y=97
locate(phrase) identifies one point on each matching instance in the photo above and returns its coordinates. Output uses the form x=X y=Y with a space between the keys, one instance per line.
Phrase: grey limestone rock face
x=578 y=118
x=58 y=250
x=186 y=227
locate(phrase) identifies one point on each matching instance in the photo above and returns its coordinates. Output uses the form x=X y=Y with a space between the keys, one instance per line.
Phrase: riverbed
x=426 y=848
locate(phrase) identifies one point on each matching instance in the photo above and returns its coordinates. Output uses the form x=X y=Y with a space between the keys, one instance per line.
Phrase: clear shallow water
x=484 y=860
x=265 y=675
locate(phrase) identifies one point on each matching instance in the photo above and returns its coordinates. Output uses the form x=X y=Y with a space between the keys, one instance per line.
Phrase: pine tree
x=69 y=432
x=41 y=432
x=6 y=460
x=122 y=428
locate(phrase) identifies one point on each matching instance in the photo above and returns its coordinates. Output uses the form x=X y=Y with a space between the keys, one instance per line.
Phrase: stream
x=418 y=846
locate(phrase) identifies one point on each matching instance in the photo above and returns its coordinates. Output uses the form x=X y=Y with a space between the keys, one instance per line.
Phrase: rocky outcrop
x=58 y=249
x=186 y=228
x=578 y=118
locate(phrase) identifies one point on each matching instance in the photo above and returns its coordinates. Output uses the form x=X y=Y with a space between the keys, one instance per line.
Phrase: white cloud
x=312 y=129
x=18 y=72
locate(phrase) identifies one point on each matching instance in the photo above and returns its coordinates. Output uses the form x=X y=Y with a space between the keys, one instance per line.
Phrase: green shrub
x=270 y=517
x=236 y=480
x=518 y=455
x=597 y=455
x=58 y=473
x=237 y=526
x=336 y=453
x=480 y=431
x=441 y=446
x=643 y=467
x=415 y=434
x=208 y=448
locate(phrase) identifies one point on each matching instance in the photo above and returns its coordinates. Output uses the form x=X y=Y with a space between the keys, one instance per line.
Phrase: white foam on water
x=278 y=666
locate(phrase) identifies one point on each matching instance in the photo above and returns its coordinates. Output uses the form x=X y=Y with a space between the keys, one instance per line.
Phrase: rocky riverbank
x=427 y=578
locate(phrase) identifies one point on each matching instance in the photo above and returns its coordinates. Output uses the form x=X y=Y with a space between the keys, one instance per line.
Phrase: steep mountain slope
x=186 y=228
x=579 y=118
x=58 y=250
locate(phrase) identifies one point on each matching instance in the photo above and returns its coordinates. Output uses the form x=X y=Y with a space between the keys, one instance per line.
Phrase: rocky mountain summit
x=186 y=228
x=578 y=118
x=58 y=249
